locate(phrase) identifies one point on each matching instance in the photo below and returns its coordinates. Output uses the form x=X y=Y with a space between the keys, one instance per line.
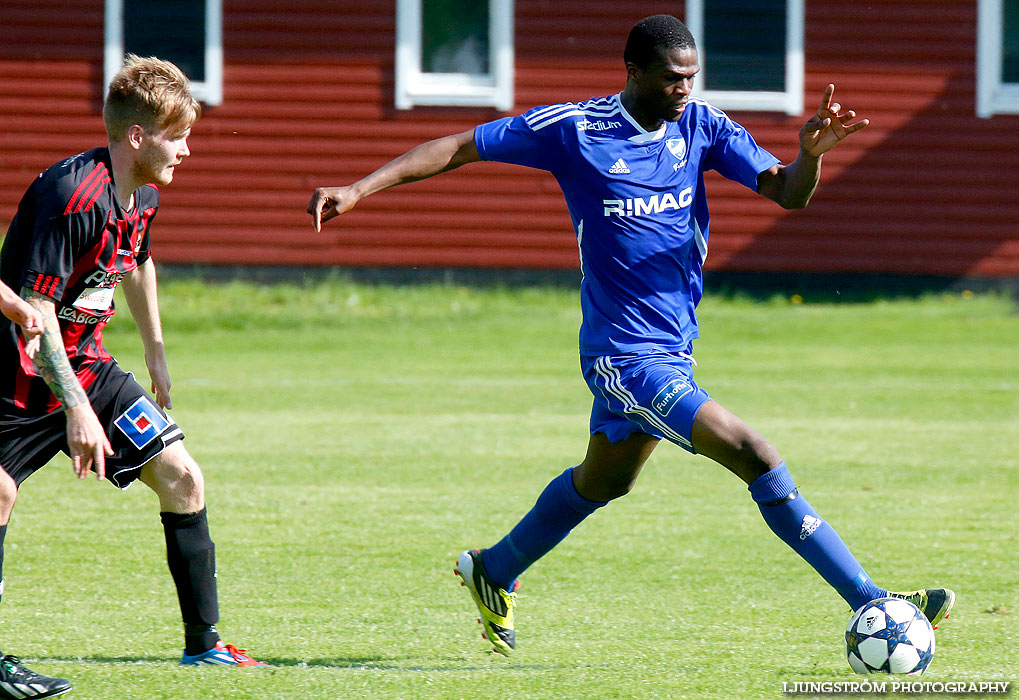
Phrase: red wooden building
x=309 y=97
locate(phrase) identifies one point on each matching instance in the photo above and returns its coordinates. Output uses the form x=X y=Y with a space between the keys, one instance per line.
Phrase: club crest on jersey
x=670 y=395
x=142 y=422
x=677 y=147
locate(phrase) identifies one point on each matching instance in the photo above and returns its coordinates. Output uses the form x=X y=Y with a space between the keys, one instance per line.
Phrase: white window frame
x=994 y=96
x=789 y=101
x=414 y=87
x=210 y=90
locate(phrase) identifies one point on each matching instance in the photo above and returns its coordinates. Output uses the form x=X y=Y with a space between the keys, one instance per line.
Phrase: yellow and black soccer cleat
x=494 y=603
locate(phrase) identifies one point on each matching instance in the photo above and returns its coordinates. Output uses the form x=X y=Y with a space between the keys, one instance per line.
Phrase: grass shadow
x=357 y=663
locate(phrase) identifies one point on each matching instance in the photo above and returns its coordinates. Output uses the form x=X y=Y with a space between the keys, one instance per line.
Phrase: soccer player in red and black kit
x=81 y=229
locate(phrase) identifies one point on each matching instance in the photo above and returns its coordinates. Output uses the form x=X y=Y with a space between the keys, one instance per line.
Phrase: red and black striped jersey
x=73 y=241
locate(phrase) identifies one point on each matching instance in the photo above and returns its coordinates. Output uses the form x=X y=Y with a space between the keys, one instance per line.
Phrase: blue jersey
x=638 y=206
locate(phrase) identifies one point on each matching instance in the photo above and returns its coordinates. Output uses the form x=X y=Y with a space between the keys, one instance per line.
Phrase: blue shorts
x=652 y=393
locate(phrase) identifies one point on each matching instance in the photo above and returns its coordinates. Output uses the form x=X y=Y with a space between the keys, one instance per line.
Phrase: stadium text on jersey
x=587 y=125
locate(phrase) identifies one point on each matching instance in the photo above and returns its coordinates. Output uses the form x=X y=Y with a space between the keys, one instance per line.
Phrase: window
x=449 y=52
x=187 y=32
x=751 y=53
x=997 y=57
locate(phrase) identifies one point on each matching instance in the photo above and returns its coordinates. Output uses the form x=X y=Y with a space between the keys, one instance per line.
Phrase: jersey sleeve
x=148 y=208
x=512 y=140
x=55 y=244
x=144 y=252
x=735 y=154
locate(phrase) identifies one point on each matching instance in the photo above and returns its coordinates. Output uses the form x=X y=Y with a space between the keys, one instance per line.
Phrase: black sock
x=191 y=556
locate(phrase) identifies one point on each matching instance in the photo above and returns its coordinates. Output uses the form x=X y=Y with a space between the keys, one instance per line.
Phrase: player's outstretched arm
x=86 y=438
x=793 y=185
x=419 y=163
x=18 y=310
x=140 y=292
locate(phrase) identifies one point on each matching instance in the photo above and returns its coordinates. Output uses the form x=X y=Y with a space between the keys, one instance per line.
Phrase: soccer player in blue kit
x=631 y=167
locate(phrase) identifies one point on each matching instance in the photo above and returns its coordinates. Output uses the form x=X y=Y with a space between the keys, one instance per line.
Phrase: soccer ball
x=889 y=635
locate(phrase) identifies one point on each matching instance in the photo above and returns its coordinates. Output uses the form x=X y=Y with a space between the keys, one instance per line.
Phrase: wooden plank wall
x=927 y=189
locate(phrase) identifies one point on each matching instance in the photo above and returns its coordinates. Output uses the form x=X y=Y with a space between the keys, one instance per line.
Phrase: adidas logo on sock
x=809 y=526
x=619 y=168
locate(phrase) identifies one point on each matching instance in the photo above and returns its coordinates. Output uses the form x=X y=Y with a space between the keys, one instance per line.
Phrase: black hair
x=653 y=35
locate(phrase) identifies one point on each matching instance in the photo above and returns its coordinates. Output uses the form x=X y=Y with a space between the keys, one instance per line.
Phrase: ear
x=633 y=72
x=135 y=136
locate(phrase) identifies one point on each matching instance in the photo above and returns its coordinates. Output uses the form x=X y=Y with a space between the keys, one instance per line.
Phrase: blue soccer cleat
x=221 y=655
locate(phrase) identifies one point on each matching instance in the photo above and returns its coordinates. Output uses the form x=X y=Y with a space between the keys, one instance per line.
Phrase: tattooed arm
x=86 y=438
x=15 y=308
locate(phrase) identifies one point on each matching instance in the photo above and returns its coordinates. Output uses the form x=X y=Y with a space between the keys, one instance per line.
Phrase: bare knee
x=610 y=470
x=752 y=454
x=725 y=438
x=8 y=495
x=755 y=456
x=607 y=486
x=177 y=480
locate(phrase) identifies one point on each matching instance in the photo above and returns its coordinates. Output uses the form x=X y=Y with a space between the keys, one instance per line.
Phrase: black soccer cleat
x=935 y=603
x=20 y=683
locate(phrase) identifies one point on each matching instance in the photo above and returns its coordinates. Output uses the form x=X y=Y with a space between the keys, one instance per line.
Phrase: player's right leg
x=8 y=495
x=25 y=446
x=632 y=396
x=608 y=471
x=17 y=681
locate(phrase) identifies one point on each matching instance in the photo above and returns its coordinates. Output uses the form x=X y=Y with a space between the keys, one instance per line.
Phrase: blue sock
x=795 y=521
x=558 y=510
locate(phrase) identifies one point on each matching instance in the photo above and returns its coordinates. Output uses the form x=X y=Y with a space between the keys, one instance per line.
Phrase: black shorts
x=135 y=425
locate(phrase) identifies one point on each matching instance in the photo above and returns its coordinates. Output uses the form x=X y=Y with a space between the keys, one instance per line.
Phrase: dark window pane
x=744 y=44
x=454 y=36
x=1010 y=42
x=173 y=30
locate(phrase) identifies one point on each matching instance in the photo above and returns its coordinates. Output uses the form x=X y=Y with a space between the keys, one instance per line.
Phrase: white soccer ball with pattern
x=889 y=635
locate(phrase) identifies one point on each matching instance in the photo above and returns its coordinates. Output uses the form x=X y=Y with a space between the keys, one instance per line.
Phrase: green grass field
x=355 y=439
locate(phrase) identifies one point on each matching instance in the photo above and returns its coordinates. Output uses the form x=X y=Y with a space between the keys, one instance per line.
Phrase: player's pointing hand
x=329 y=202
x=827 y=127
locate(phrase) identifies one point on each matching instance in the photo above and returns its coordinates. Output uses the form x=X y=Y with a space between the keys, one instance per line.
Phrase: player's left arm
x=140 y=292
x=792 y=186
